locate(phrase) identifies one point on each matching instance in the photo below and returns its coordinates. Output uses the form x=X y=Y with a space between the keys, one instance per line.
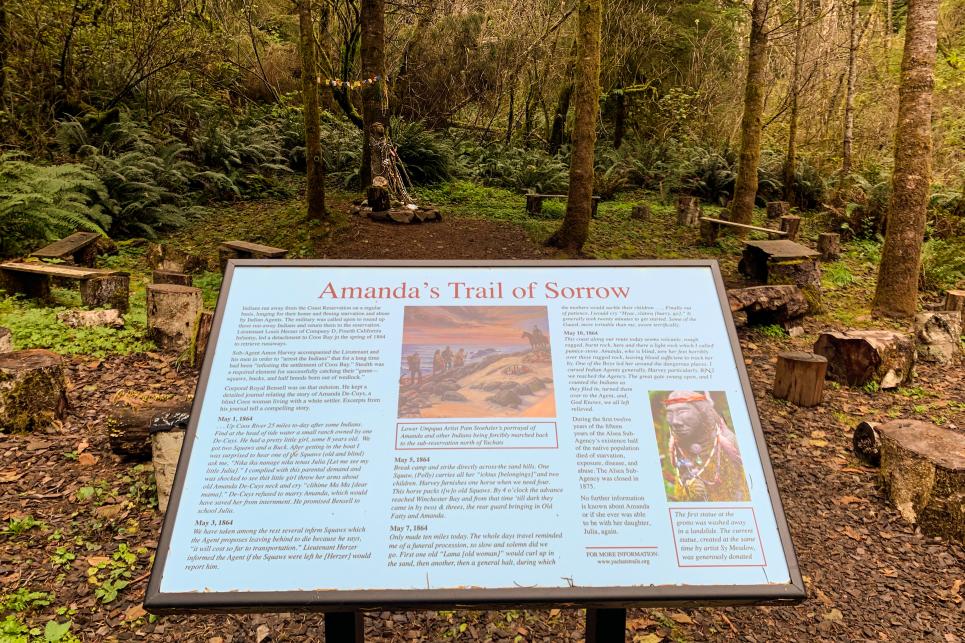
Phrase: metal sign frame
x=491 y=598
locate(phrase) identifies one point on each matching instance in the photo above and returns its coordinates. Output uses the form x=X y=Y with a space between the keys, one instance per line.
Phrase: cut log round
x=129 y=424
x=171 y=277
x=33 y=390
x=6 y=340
x=205 y=321
x=866 y=442
x=110 y=291
x=790 y=224
x=777 y=209
x=708 y=232
x=379 y=199
x=166 y=257
x=640 y=212
x=172 y=315
x=799 y=378
x=829 y=245
x=923 y=472
x=167 y=438
x=938 y=335
x=688 y=211
x=857 y=357
x=955 y=300
x=780 y=304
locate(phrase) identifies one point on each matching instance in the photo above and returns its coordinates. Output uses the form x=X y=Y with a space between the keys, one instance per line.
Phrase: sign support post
x=606 y=625
x=344 y=627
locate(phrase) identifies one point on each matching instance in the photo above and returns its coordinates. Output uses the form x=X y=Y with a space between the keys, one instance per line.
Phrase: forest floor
x=80 y=525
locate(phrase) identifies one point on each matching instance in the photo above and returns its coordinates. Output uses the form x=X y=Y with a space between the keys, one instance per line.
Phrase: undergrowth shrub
x=942 y=264
x=42 y=203
x=426 y=156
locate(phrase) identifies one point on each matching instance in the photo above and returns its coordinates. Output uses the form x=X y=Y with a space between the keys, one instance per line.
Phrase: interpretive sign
x=454 y=433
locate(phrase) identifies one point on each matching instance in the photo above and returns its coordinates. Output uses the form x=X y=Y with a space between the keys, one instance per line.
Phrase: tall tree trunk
x=575 y=228
x=558 y=128
x=373 y=64
x=742 y=209
x=897 y=291
x=4 y=50
x=790 y=162
x=619 y=118
x=315 y=170
x=848 y=138
x=512 y=111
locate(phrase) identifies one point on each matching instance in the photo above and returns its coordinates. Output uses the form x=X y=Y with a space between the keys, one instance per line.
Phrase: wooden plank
x=558 y=196
x=779 y=233
x=783 y=249
x=52 y=270
x=255 y=249
x=67 y=246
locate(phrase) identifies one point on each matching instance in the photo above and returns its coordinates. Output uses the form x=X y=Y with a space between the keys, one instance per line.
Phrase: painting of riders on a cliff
x=476 y=362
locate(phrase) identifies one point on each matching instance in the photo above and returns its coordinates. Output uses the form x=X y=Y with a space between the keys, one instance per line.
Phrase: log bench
x=783 y=262
x=98 y=287
x=710 y=228
x=534 y=202
x=247 y=250
x=79 y=248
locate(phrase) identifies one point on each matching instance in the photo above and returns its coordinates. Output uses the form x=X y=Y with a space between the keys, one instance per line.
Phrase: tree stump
x=857 y=357
x=777 y=209
x=937 y=335
x=783 y=262
x=866 y=442
x=763 y=305
x=829 y=245
x=379 y=199
x=799 y=378
x=534 y=204
x=129 y=423
x=709 y=232
x=688 y=211
x=923 y=472
x=171 y=277
x=6 y=340
x=790 y=224
x=640 y=212
x=111 y=291
x=205 y=322
x=955 y=300
x=172 y=315
x=162 y=257
x=33 y=390
x=167 y=438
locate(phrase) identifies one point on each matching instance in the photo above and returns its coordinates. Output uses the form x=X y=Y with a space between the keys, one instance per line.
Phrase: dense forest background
x=132 y=117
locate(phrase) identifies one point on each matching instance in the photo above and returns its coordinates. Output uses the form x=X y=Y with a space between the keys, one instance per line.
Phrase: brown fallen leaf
x=261 y=633
x=847 y=500
x=817 y=443
x=889 y=572
x=834 y=615
x=134 y=612
x=94 y=561
x=851 y=533
x=108 y=512
x=956 y=586
x=10 y=475
x=82 y=446
x=87 y=459
x=681 y=618
x=634 y=624
x=647 y=638
x=554 y=613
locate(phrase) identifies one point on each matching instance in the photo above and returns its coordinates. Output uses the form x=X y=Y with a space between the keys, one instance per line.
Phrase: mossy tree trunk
x=573 y=232
x=373 y=64
x=315 y=167
x=897 y=291
x=745 y=191
x=790 y=162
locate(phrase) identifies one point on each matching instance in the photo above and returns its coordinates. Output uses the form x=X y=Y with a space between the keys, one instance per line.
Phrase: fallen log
x=129 y=423
x=857 y=357
x=779 y=304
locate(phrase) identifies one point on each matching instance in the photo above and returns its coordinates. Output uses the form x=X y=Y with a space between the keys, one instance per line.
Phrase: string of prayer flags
x=349 y=84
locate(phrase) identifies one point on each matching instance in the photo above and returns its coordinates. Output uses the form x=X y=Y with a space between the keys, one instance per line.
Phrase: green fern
x=41 y=203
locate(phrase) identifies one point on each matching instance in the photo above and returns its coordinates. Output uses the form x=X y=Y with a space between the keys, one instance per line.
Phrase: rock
x=938 y=335
x=856 y=357
x=454 y=396
x=523 y=389
x=506 y=397
x=777 y=304
x=535 y=384
x=6 y=340
x=923 y=473
x=400 y=216
x=33 y=390
x=448 y=385
x=87 y=318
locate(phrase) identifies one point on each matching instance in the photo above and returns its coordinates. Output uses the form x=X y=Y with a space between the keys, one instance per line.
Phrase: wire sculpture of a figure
x=387 y=170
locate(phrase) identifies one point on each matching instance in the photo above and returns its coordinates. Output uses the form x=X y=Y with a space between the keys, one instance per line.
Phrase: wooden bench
x=783 y=262
x=534 y=202
x=98 y=287
x=78 y=247
x=247 y=250
x=710 y=228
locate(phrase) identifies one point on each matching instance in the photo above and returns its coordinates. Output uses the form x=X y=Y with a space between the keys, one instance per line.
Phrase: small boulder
x=454 y=396
x=506 y=397
x=937 y=335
